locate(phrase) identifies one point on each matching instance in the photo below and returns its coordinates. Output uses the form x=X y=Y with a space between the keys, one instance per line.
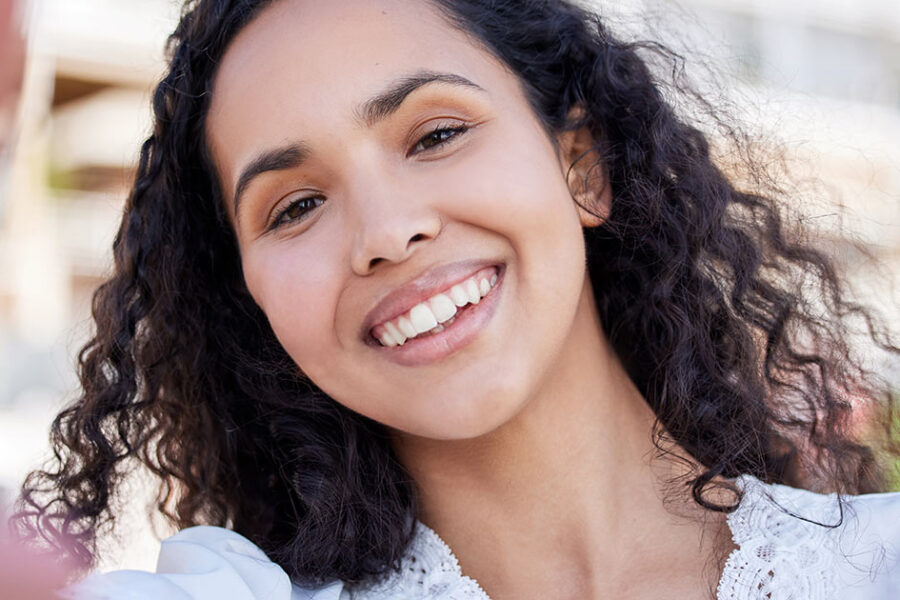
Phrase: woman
x=398 y=277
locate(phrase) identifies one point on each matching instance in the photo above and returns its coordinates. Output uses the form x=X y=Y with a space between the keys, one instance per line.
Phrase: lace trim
x=428 y=570
x=779 y=555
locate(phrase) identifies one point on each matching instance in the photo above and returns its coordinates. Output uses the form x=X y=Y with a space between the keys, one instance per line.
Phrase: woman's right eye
x=296 y=211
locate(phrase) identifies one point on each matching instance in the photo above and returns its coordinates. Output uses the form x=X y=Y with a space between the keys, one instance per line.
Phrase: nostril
x=397 y=254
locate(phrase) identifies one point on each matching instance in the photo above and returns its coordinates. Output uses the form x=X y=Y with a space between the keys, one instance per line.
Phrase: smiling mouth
x=436 y=313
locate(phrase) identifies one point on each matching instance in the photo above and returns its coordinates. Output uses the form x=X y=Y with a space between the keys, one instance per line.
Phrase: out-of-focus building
x=82 y=114
x=826 y=79
x=823 y=75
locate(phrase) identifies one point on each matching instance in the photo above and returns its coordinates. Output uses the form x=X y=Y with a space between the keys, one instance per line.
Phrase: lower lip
x=459 y=334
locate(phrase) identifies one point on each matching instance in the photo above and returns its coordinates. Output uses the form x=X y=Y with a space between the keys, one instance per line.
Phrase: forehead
x=302 y=63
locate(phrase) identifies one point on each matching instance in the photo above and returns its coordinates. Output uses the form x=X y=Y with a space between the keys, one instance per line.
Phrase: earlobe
x=586 y=175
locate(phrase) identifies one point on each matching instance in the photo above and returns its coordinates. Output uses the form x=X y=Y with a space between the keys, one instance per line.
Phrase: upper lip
x=431 y=282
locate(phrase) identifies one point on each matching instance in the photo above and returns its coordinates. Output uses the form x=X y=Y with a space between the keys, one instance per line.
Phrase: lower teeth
x=437 y=329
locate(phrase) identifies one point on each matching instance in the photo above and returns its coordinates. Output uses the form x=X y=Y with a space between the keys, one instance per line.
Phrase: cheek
x=297 y=295
x=515 y=186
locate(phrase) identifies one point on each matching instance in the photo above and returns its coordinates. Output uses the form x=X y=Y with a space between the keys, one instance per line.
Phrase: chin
x=471 y=418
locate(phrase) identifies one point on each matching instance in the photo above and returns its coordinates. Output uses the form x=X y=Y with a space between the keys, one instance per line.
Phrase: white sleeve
x=202 y=563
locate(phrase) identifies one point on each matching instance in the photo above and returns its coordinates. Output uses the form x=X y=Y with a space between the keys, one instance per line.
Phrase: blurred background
x=822 y=76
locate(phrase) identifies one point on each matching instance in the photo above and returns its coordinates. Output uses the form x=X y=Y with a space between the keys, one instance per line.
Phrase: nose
x=390 y=229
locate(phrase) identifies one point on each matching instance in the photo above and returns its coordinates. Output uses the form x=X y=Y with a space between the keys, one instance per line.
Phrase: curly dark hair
x=700 y=286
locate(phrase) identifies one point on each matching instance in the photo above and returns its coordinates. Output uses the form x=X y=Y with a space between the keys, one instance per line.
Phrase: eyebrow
x=369 y=112
x=287 y=157
x=387 y=102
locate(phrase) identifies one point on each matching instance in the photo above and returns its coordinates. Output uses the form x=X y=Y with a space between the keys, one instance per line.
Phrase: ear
x=585 y=172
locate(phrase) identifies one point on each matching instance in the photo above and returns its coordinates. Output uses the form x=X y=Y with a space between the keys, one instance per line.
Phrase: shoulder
x=203 y=563
x=813 y=544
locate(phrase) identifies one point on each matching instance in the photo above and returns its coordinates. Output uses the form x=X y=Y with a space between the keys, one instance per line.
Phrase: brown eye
x=438 y=137
x=297 y=210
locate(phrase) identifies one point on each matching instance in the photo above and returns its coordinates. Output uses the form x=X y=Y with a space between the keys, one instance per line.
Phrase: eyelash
x=283 y=218
x=444 y=135
x=455 y=131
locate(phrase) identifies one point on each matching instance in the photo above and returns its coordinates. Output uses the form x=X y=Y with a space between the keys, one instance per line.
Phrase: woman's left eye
x=438 y=137
x=297 y=210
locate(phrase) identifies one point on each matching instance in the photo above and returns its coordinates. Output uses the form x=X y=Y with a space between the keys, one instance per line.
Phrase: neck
x=567 y=499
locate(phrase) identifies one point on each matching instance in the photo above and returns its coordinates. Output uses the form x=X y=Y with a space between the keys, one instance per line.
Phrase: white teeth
x=395 y=333
x=386 y=339
x=442 y=307
x=406 y=328
x=459 y=296
x=472 y=291
x=422 y=318
x=436 y=313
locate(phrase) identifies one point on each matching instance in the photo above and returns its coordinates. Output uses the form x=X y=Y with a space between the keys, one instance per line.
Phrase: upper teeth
x=431 y=314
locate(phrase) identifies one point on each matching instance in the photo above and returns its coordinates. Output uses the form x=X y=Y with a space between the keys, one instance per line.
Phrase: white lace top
x=783 y=553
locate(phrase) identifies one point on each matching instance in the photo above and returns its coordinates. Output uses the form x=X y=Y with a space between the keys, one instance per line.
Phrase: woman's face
x=383 y=174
